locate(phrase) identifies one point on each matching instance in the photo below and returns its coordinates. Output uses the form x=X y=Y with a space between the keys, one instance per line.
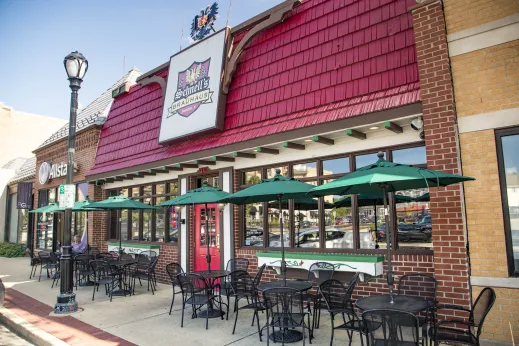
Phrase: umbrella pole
x=376 y=226
x=88 y=250
x=120 y=234
x=207 y=239
x=390 y=278
x=283 y=263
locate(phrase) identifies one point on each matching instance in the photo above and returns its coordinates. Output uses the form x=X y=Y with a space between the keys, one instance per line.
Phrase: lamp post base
x=66 y=304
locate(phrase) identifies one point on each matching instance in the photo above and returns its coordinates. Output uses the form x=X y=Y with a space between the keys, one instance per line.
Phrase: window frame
x=499 y=134
x=322 y=229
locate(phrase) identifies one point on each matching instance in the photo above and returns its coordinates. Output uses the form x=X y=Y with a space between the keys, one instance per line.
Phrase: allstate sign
x=49 y=171
x=192 y=101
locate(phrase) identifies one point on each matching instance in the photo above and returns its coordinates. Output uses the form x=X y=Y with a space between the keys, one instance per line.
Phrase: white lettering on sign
x=67 y=196
x=48 y=172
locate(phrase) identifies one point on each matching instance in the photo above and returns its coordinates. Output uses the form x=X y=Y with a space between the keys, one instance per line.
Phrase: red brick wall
x=450 y=255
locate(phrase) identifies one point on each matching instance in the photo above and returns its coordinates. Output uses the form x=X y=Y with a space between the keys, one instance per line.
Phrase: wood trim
x=275 y=17
x=355 y=134
x=292 y=145
x=423 y=4
x=155 y=79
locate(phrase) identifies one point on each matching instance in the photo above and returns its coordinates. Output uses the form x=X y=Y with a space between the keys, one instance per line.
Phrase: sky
x=36 y=35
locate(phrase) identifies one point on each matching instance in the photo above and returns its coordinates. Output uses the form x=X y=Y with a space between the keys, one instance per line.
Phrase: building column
x=451 y=266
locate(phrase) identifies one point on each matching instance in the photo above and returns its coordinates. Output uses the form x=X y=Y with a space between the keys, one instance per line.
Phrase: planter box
x=131 y=248
x=366 y=264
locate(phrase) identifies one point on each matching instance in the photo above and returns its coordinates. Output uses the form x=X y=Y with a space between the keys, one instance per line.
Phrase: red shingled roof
x=327 y=61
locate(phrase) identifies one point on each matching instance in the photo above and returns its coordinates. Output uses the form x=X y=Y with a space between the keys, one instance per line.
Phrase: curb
x=27 y=330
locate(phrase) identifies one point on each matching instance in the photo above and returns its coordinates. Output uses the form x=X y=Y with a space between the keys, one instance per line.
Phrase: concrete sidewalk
x=142 y=319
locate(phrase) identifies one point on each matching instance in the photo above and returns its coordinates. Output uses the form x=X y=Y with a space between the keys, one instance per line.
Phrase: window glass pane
x=160 y=189
x=364 y=160
x=336 y=166
x=173 y=186
x=511 y=165
x=160 y=221
x=113 y=219
x=413 y=218
x=148 y=190
x=80 y=224
x=252 y=177
x=45 y=227
x=124 y=224
x=82 y=191
x=52 y=196
x=371 y=230
x=216 y=182
x=253 y=224
x=305 y=170
x=124 y=192
x=23 y=223
x=271 y=172
x=338 y=222
x=410 y=156
x=274 y=217
x=306 y=223
x=136 y=191
x=174 y=221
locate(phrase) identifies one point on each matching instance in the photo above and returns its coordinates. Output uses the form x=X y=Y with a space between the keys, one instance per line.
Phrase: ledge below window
x=367 y=264
x=133 y=248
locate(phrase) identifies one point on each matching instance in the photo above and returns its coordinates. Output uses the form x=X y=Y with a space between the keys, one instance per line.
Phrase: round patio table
x=120 y=264
x=288 y=335
x=211 y=277
x=403 y=303
x=85 y=259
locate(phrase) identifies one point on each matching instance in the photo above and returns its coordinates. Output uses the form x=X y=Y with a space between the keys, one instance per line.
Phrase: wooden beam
x=355 y=134
x=187 y=165
x=323 y=140
x=173 y=168
x=264 y=150
x=162 y=169
x=108 y=180
x=391 y=126
x=292 y=145
x=118 y=178
x=127 y=176
x=205 y=162
x=223 y=158
x=147 y=172
x=245 y=155
x=135 y=175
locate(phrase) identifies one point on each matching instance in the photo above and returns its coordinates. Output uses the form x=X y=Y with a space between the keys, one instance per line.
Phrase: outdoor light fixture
x=76 y=66
x=308 y=140
x=221 y=206
x=373 y=128
x=417 y=124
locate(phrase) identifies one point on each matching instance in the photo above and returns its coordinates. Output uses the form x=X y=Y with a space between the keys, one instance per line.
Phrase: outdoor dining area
x=289 y=309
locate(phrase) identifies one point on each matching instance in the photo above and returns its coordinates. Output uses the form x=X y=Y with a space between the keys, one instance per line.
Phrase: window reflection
x=160 y=221
x=339 y=222
x=413 y=218
x=252 y=177
x=160 y=189
x=146 y=222
x=410 y=156
x=371 y=212
x=275 y=215
x=271 y=172
x=306 y=222
x=364 y=160
x=254 y=224
x=336 y=166
x=305 y=170
x=124 y=224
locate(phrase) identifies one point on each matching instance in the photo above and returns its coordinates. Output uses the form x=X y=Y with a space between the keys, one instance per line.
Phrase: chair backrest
x=102 y=270
x=93 y=251
x=418 y=285
x=259 y=274
x=125 y=256
x=173 y=269
x=335 y=295
x=44 y=256
x=190 y=283
x=320 y=272
x=53 y=258
x=283 y=300
x=103 y=255
x=241 y=282
x=114 y=254
x=147 y=256
x=389 y=327
x=482 y=306
x=237 y=264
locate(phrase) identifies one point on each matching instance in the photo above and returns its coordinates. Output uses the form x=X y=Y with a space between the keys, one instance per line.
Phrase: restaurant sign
x=193 y=89
x=50 y=171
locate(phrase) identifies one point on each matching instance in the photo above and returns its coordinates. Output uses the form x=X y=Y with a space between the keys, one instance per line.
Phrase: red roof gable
x=328 y=61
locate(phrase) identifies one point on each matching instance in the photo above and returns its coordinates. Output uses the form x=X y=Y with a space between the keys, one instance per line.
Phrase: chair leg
x=93 y=294
x=258 y=323
x=333 y=329
x=236 y=314
x=207 y=318
x=183 y=308
x=41 y=268
x=172 y=301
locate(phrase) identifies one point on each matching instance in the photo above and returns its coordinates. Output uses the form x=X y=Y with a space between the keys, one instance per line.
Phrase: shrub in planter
x=11 y=250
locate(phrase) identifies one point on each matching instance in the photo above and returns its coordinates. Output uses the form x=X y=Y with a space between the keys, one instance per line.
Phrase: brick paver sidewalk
x=68 y=329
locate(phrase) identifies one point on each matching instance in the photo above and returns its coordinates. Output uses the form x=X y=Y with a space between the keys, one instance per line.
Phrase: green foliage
x=11 y=250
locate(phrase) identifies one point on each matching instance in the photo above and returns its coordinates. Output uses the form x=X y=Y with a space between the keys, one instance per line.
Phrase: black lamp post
x=76 y=66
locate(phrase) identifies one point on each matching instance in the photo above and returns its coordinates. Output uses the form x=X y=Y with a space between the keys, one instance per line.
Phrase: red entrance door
x=201 y=237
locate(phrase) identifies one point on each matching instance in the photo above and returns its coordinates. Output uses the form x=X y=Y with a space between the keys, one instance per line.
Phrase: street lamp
x=76 y=66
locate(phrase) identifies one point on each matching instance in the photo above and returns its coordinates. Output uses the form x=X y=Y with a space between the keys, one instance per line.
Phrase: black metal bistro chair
x=44 y=257
x=337 y=299
x=233 y=265
x=173 y=269
x=146 y=271
x=423 y=286
x=54 y=268
x=83 y=270
x=35 y=262
x=104 y=274
x=318 y=273
x=285 y=312
x=146 y=257
x=391 y=327
x=197 y=293
x=467 y=332
x=246 y=287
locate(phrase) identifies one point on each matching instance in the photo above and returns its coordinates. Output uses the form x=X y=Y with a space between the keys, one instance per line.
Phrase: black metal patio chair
x=318 y=273
x=460 y=331
x=197 y=293
x=44 y=257
x=173 y=269
x=83 y=270
x=243 y=286
x=337 y=299
x=285 y=312
x=104 y=274
x=53 y=267
x=145 y=271
x=391 y=327
x=35 y=262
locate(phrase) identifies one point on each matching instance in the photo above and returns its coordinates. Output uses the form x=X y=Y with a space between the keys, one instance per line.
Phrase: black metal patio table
x=401 y=302
x=120 y=265
x=290 y=335
x=85 y=259
x=211 y=277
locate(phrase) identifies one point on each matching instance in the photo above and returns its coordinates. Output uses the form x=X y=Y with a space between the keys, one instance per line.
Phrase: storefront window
x=271 y=172
x=336 y=166
x=306 y=223
x=364 y=160
x=254 y=224
x=124 y=224
x=173 y=186
x=338 y=222
x=274 y=224
x=44 y=222
x=410 y=156
x=305 y=170
x=146 y=221
x=414 y=224
x=160 y=221
x=508 y=160
x=12 y=234
x=23 y=225
x=160 y=189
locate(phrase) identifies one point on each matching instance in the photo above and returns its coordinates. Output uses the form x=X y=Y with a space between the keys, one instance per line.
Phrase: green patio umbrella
x=277 y=188
x=423 y=198
x=382 y=177
x=119 y=203
x=51 y=208
x=305 y=203
x=203 y=195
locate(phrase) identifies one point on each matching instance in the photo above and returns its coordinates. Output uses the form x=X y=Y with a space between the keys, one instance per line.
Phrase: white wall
x=5 y=176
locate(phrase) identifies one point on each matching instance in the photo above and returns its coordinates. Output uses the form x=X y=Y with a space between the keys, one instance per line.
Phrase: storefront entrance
x=201 y=237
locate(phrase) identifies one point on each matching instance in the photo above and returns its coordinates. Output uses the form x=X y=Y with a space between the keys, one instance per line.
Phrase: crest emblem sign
x=203 y=23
